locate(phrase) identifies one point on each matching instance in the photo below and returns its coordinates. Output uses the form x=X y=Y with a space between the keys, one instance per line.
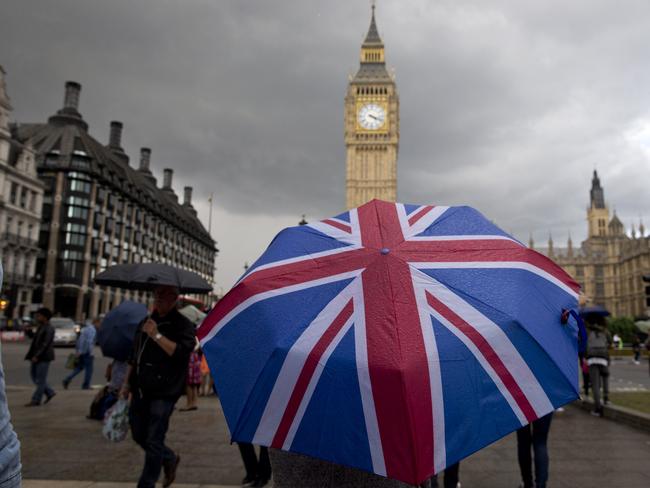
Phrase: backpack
x=597 y=344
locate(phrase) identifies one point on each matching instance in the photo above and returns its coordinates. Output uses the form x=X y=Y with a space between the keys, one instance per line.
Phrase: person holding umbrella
x=156 y=380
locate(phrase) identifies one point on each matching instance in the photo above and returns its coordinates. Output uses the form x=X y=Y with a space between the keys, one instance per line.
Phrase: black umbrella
x=147 y=276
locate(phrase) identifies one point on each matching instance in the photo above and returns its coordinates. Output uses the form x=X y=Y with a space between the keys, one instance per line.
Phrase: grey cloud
x=505 y=105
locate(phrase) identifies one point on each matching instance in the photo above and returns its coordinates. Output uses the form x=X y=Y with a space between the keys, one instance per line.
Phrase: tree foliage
x=624 y=327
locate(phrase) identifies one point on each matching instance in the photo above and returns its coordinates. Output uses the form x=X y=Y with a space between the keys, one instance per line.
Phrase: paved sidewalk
x=58 y=443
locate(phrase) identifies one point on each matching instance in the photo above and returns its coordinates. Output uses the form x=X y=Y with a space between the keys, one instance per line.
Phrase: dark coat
x=42 y=347
x=154 y=373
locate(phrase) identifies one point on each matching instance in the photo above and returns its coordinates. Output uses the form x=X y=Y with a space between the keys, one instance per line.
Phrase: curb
x=633 y=418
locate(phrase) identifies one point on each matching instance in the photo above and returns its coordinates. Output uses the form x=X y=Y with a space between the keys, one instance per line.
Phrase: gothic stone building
x=609 y=264
x=371 y=126
x=99 y=211
x=21 y=198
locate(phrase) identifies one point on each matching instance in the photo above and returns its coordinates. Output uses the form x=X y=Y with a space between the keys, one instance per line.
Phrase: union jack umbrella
x=397 y=339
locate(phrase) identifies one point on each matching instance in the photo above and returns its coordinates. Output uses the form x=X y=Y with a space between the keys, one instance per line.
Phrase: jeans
x=85 y=363
x=38 y=372
x=255 y=469
x=149 y=419
x=534 y=434
x=596 y=373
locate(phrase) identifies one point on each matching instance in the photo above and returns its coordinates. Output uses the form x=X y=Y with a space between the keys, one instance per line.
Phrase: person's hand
x=150 y=328
x=125 y=391
x=34 y=360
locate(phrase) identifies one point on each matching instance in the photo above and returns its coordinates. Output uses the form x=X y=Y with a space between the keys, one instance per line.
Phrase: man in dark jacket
x=41 y=354
x=156 y=380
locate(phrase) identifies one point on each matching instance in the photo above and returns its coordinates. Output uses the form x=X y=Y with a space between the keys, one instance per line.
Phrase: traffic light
x=4 y=303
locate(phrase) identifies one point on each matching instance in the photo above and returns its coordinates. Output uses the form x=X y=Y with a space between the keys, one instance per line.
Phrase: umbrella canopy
x=115 y=336
x=643 y=326
x=193 y=314
x=397 y=339
x=147 y=276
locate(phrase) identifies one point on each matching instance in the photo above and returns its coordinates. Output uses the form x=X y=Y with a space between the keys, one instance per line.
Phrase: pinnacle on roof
x=597 y=197
x=373 y=35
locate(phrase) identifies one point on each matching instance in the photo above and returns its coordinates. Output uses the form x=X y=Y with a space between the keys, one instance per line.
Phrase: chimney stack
x=71 y=99
x=145 y=156
x=187 y=197
x=167 y=178
x=115 y=137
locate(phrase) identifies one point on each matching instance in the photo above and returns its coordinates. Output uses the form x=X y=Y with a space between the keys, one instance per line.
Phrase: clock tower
x=371 y=126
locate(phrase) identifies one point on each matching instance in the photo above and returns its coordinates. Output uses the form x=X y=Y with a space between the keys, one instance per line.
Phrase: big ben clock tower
x=371 y=126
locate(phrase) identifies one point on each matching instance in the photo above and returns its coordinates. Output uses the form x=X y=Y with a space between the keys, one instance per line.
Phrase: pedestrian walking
x=193 y=380
x=41 y=354
x=155 y=380
x=598 y=342
x=534 y=436
x=206 y=380
x=636 y=349
x=10 y=467
x=258 y=469
x=84 y=352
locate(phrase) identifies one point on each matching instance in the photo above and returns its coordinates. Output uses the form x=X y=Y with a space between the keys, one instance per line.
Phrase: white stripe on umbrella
x=435 y=375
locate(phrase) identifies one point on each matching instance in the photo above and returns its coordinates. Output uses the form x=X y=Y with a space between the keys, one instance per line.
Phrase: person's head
x=97 y=321
x=165 y=298
x=43 y=315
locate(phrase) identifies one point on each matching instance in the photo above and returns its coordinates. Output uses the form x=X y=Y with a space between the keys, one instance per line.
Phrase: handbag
x=116 y=421
x=72 y=362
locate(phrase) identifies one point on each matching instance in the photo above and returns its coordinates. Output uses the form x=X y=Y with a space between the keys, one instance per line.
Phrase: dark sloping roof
x=64 y=142
x=375 y=72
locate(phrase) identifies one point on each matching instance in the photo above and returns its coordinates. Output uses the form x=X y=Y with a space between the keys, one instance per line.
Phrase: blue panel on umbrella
x=475 y=410
x=296 y=242
x=344 y=216
x=411 y=208
x=334 y=425
x=462 y=221
x=263 y=334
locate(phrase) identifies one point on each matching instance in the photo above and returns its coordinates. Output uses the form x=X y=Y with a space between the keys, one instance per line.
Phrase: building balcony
x=16 y=279
x=12 y=239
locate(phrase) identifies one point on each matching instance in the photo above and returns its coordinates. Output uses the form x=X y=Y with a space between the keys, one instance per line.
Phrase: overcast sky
x=506 y=105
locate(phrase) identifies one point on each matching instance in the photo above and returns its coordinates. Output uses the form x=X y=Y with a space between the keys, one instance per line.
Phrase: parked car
x=65 y=331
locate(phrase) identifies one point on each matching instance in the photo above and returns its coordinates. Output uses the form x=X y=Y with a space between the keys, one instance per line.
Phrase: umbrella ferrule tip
x=385 y=250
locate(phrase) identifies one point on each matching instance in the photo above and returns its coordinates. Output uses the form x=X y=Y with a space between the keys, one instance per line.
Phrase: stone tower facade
x=371 y=126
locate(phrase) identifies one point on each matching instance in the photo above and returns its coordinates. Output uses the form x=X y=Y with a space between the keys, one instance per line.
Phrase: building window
x=77 y=213
x=23 y=197
x=14 y=193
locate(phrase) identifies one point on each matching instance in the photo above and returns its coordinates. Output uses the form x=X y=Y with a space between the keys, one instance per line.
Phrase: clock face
x=372 y=116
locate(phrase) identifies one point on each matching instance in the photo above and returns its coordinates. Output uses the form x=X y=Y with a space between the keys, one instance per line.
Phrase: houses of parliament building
x=609 y=264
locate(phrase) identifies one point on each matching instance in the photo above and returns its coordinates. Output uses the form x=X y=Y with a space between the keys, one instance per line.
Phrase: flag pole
x=210 y=215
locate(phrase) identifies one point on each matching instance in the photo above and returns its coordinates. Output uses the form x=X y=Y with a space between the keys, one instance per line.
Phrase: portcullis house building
x=98 y=211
